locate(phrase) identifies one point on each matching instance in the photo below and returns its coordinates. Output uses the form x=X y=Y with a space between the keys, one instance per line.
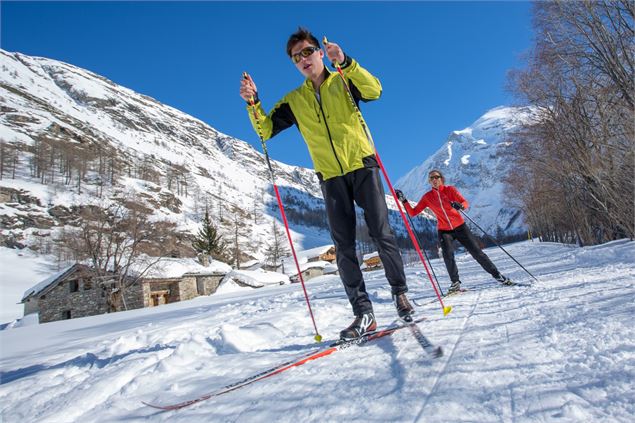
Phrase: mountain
x=71 y=138
x=475 y=160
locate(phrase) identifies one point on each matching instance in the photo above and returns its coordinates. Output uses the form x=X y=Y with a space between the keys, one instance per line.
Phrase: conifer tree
x=208 y=240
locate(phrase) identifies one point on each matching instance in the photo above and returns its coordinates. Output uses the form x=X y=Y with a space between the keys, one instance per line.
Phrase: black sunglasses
x=435 y=177
x=305 y=52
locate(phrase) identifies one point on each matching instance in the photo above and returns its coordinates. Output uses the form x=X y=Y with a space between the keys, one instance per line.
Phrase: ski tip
x=447 y=310
x=158 y=407
x=318 y=338
x=324 y=40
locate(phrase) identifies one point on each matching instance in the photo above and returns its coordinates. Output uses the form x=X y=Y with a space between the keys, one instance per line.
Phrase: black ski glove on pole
x=400 y=196
x=457 y=205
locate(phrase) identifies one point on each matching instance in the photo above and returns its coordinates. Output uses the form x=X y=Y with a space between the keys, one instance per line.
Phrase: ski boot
x=404 y=309
x=361 y=325
x=503 y=279
x=454 y=287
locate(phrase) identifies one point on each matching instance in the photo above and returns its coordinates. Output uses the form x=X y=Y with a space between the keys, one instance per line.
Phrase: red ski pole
x=413 y=238
x=317 y=336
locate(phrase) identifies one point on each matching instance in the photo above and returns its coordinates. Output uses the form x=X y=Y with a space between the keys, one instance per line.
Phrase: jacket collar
x=309 y=84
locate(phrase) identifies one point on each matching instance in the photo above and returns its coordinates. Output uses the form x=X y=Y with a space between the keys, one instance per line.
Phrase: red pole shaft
x=317 y=337
x=394 y=195
x=295 y=258
x=413 y=238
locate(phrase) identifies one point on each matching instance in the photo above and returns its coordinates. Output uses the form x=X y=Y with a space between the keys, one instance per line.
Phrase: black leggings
x=465 y=237
x=362 y=186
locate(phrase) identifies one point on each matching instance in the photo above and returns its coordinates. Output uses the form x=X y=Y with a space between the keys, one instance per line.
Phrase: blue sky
x=442 y=64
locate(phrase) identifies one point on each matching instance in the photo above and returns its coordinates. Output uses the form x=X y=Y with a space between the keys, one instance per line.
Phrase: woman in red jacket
x=445 y=201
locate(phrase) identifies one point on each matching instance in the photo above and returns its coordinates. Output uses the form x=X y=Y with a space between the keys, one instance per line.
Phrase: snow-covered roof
x=371 y=255
x=249 y=263
x=176 y=267
x=34 y=290
x=330 y=268
x=304 y=255
x=256 y=278
x=291 y=269
x=317 y=251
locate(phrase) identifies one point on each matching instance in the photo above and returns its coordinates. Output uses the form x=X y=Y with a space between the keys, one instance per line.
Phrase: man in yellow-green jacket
x=344 y=161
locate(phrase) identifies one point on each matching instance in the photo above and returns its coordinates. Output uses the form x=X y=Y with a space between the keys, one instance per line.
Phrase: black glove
x=400 y=196
x=457 y=205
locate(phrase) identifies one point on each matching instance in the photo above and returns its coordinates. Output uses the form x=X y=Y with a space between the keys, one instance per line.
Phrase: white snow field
x=559 y=350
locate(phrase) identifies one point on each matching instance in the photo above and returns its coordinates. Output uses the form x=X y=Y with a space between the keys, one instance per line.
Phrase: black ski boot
x=360 y=326
x=503 y=279
x=454 y=287
x=404 y=309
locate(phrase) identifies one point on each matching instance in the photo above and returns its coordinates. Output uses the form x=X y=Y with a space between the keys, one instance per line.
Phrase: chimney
x=203 y=259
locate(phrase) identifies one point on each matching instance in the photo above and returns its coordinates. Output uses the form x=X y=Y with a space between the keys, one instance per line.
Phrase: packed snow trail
x=562 y=349
x=321 y=352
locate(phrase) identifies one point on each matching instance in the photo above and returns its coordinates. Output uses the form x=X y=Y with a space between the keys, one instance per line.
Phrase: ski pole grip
x=251 y=98
x=325 y=42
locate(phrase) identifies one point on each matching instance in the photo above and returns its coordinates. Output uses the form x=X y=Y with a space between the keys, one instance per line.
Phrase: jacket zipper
x=441 y=204
x=329 y=133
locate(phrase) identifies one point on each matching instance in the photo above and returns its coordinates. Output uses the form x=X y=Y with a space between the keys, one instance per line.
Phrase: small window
x=66 y=314
x=73 y=286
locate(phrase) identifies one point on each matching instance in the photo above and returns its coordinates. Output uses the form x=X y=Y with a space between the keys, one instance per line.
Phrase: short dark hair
x=302 y=34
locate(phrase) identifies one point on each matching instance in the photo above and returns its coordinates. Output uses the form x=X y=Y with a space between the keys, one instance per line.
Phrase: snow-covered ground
x=19 y=271
x=560 y=350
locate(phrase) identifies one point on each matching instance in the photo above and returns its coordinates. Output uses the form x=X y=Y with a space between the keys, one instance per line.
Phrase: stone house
x=371 y=261
x=313 y=262
x=324 y=253
x=80 y=291
x=73 y=292
x=309 y=270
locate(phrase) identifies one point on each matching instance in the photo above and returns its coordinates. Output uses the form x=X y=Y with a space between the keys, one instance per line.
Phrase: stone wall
x=307 y=274
x=207 y=284
x=187 y=288
x=60 y=303
x=134 y=297
x=179 y=289
x=30 y=306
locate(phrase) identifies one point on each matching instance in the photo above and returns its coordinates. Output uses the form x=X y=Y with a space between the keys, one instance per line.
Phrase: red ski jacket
x=438 y=200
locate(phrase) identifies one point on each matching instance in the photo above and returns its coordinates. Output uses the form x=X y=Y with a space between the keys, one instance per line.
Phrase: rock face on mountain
x=475 y=160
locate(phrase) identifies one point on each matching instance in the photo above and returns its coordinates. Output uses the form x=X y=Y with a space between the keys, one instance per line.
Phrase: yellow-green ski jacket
x=330 y=127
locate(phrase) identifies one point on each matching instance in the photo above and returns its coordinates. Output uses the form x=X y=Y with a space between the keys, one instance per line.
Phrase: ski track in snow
x=562 y=349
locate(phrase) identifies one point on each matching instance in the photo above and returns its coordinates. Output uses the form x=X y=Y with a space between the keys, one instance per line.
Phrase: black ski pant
x=364 y=187
x=464 y=236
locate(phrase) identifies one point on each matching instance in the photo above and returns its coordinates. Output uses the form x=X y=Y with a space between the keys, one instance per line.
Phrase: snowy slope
x=19 y=271
x=475 y=160
x=560 y=350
